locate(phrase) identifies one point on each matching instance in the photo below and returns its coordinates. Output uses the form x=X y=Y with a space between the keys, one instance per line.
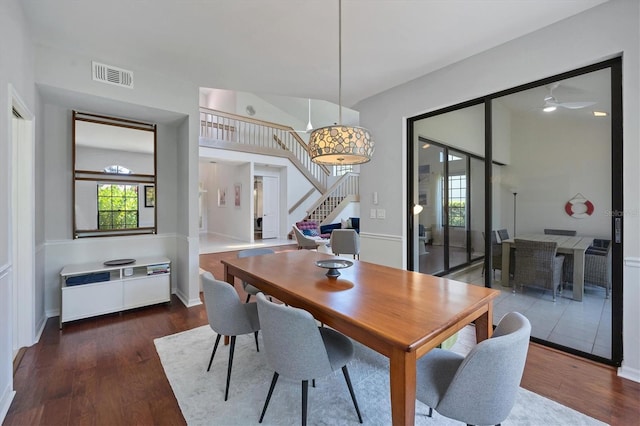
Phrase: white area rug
x=200 y=394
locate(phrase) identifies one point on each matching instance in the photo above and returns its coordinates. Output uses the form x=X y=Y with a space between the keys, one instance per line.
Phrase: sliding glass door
x=555 y=153
x=448 y=207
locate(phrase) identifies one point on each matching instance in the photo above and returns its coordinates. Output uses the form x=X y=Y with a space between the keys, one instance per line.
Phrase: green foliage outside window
x=457 y=213
x=117 y=206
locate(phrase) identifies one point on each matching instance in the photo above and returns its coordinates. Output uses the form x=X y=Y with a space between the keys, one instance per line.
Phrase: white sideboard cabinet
x=95 y=289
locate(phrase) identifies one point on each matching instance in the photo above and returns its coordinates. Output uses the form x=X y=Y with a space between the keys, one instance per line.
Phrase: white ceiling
x=290 y=47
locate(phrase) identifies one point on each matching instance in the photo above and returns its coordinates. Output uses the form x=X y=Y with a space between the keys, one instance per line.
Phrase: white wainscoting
x=630 y=368
x=6 y=329
x=382 y=249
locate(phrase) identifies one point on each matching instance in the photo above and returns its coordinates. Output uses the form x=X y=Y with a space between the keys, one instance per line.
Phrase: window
x=117 y=170
x=117 y=206
x=342 y=169
x=457 y=200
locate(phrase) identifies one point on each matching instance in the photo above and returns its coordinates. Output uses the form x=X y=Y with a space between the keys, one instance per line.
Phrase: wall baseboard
x=5 y=401
x=185 y=300
x=629 y=373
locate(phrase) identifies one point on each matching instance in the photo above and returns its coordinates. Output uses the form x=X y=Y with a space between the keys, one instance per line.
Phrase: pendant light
x=340 y=144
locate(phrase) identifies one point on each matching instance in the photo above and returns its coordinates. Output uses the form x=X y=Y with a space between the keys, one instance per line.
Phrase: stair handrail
x=229 y=127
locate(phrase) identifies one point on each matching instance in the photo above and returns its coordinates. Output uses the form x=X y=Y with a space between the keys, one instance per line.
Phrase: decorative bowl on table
x=119 y=262
x=333 y=265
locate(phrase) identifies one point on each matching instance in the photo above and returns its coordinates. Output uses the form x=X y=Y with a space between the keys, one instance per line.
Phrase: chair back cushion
x=305 y=225
x=485 y=386
x=345 y=241
x=293 y=344
x=226 y=313
x=566 y=232
x=503 y=234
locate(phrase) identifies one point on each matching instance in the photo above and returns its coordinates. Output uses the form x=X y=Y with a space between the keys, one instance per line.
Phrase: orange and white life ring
x=579 y=208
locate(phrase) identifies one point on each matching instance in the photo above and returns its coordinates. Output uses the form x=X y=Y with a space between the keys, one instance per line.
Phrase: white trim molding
x=383 y=249
x=5 y=401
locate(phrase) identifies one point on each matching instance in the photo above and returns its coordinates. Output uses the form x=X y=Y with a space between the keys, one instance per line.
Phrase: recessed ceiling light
x=599 y=114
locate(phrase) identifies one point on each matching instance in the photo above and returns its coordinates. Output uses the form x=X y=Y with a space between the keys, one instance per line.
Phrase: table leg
x=231 y=280
x=484 y=324
x=578 y=274
x=402 y=371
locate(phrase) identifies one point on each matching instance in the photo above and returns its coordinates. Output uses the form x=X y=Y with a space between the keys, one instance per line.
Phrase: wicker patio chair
x=538 y=265
x=597 y=265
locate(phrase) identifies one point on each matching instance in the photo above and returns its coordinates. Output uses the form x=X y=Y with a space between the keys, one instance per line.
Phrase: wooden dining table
x=575 y=246
x=400 y=314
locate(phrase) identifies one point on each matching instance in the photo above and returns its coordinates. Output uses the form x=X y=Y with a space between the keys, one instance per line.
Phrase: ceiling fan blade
x=575 y=105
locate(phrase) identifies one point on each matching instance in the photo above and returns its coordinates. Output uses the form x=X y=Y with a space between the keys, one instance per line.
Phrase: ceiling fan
x=309 y=128
x=551 y=103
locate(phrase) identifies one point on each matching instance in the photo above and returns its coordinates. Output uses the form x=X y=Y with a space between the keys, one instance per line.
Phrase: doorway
x=266 y=199
x=449 y=192
x=26 y=302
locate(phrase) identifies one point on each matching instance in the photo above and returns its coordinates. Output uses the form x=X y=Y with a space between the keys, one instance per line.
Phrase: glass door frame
x=617 y=205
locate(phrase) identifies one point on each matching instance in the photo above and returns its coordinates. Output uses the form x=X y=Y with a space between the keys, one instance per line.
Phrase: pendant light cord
x=340 y=62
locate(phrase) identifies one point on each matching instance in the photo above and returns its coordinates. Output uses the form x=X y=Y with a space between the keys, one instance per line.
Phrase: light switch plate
x=382 y=213
x=372 y=214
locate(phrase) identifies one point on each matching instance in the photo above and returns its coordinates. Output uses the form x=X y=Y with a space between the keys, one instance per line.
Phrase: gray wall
x=592 y=36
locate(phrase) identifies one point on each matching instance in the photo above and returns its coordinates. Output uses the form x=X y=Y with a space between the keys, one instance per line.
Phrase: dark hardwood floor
x=105 y=371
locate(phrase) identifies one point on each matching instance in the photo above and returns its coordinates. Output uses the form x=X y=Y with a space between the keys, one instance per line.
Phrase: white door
x=270 y=206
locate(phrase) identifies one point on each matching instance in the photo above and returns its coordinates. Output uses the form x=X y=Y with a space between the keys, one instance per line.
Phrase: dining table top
x=400 y=314
x=564 y=241
x=402 y=308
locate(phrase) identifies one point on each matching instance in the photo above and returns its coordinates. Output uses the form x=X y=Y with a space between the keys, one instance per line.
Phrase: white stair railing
x=266 y=136
x=345 y=188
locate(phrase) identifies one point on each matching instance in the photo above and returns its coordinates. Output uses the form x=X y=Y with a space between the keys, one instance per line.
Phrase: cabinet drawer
x=146 y=290
x=91 y=299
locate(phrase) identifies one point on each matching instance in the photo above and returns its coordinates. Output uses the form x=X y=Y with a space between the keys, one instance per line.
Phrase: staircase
x=222 y=130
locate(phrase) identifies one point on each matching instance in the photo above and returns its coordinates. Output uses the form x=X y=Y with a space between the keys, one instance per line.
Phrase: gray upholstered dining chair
x=298 y=349
x=248 y=288
x=476 y=389
x=345 y=241
x=303 y=241
x=228 y=316
x=538 y=265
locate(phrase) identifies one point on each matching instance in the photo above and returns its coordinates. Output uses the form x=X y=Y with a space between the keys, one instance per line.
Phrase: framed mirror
x=114 y=180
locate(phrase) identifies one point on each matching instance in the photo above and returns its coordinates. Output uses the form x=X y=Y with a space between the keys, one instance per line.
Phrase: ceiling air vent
x=112 y=75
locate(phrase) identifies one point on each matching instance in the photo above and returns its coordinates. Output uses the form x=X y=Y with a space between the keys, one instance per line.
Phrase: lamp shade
x=340 y=144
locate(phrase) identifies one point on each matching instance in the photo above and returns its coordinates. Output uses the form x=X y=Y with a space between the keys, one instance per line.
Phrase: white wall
x=597 y=34
x=174 y=106
x=293 y=183
x=556 y=159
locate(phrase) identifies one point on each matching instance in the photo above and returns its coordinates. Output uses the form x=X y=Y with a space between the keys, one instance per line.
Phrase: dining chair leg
x=215 y=346
x=345 y=371
x=248 y=297
x=430 y=412
x=232 y=346
x=305 y=390
x=266 y=403
x=255 y=335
